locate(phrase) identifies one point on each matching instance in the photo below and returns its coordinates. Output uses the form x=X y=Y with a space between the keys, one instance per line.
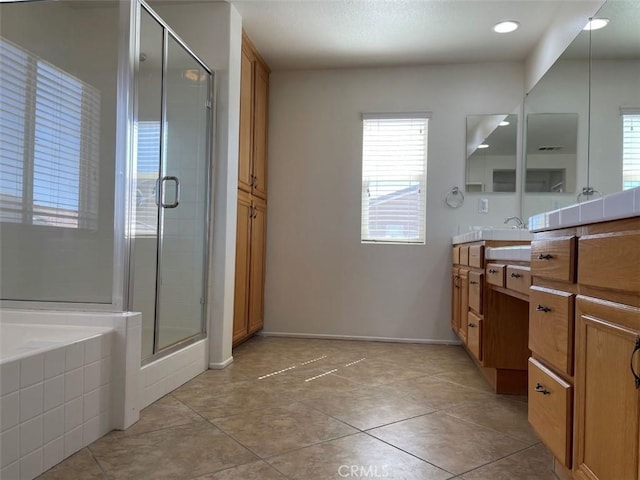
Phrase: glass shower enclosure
x=105 y=153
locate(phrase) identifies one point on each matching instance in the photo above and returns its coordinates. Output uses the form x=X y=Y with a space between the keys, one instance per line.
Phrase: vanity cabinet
x=248 y=315
x=585 y=341
x=489 y=318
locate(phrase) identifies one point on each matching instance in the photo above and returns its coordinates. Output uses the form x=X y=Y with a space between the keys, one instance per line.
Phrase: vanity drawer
x=495 y=274
x=476 y=256
x=474 y=335
x=475 y=291
x=610 y=261
x=550 y=410
x=551 y=327
x=464 y=255
x=518 y=278
x=554 y=258
x=456 y=255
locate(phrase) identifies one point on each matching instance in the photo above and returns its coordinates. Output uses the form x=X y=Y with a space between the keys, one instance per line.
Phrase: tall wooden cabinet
x=252 y=195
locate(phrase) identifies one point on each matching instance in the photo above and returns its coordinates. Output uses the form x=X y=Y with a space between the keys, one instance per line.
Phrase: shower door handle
x=176 y=202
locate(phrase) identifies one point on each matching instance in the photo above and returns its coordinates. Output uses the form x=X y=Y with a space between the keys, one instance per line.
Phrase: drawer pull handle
x=493 y=270
x=515 y=275
x=542 y=390
x=635 y=374
x=545 y=256
x=472 y=325
x=542 y=308
x=473 y=282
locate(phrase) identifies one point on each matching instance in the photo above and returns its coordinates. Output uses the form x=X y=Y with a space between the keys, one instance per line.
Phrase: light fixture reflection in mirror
x=551 y=155
x=491 y=153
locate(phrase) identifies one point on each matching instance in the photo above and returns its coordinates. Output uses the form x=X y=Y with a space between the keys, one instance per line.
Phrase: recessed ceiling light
x=596 y=24
x=483 y=145
x=503 y=123
x=506 y=26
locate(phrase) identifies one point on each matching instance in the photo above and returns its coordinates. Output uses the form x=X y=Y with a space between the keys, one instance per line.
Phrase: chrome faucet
x=519 y=223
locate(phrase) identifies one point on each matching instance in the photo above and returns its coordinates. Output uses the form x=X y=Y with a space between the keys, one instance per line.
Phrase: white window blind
x=394 y=178
x=631 y=150
x=49 y=136
x=147 y=170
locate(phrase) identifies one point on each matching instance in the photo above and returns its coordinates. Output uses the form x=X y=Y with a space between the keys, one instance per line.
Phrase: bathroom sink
x=493 y=233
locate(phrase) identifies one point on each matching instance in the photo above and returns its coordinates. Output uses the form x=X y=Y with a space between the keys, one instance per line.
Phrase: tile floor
x=325 y=409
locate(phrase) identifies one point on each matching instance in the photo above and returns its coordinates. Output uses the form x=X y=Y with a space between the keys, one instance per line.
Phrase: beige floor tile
x=501 y=414
x=467 y=377
x=534 y=463
x=376 y=371
x=173 y=453
x=355 y=456
x=164 y=413
x=301 y=385
x=230 y=399
x=439 y=394
x=79 y=466
x=369 y=407
x=277 y=430
x=214 y=378
x=448 y=442
x=251 y=471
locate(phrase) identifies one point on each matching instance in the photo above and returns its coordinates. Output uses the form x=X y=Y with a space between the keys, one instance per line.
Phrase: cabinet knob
x=540 y=389
x=545 y=256
x=473 y=282
x=542 y=308
x=472 y=325
x=515 y=275
x=493 y=270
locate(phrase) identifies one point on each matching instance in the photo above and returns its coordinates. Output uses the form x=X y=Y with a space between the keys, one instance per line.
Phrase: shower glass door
x=169 y=231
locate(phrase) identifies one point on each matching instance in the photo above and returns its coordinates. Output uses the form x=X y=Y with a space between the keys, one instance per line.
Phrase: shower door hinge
x=208 y=104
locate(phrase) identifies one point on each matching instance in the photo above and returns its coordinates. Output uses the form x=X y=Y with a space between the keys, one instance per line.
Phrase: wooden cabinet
x=460 y=302
x=254 y=95
x=248 y=316
x=252 y=195
x=474 y=334
x=584 y=333
x=607 y=418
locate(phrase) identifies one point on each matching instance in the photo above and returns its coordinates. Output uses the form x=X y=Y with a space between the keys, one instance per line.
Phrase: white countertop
x=617 y=205
x=501 y=234
x=520 y=253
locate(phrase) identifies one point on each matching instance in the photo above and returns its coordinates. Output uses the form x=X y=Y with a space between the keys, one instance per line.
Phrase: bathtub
x=66 y=379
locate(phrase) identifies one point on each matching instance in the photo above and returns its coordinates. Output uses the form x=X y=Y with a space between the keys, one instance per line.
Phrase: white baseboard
x=361 y=338
x=220 y=365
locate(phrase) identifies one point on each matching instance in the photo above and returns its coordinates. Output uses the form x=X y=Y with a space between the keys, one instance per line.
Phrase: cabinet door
x=607 y=419
x=455 y=301
x=464 y=303
x=256 y=278
x=243 y=256
x=474 y=335
x=475 y=291
x=245 y=152
x=260 y=117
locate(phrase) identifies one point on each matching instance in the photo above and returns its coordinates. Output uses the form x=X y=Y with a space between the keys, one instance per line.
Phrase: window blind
x=394 y=167
x=147 y=170
x=50 y=129
x=630 y=150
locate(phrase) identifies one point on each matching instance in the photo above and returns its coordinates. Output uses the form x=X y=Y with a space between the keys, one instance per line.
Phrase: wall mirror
x=596 y=84
x=491 y=153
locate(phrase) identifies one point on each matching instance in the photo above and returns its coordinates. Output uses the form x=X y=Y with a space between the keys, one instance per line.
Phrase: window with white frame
x=49 y=143
x=394 y=178
x=630 y=148
x=147 y=170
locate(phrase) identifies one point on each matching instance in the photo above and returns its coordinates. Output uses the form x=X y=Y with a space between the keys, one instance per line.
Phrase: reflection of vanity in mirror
x=491 y=153
x=583 y=115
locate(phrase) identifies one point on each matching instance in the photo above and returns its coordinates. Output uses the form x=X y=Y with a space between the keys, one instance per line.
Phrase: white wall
x=319 y=278
x=214 y=32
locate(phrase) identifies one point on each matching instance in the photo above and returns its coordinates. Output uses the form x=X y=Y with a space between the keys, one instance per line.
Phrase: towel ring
x=455 y=198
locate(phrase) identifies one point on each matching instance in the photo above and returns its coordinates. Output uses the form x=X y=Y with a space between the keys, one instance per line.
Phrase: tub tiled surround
x=301 y=409
x=56 y=402
x=53 y=404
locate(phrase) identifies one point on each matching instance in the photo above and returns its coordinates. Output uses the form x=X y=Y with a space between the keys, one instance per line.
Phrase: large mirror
x=491 y=153
x=592 y=92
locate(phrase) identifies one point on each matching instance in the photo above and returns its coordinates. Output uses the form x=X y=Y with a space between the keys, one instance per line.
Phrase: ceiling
x=318 y=34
